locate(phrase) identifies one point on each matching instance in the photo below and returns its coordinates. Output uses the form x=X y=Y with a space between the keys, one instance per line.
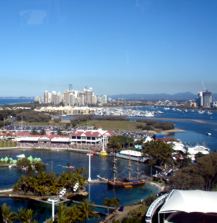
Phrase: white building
x=184 y=206
x=205 y=99
x=71 y=97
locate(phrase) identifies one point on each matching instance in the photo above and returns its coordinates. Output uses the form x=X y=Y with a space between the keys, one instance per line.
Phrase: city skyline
x=116 y=46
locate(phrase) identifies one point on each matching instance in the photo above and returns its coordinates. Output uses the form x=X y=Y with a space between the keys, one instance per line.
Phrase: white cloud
x=33 y=17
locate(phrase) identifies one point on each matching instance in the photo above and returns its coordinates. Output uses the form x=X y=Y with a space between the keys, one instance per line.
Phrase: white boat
x=192 y=151
x=132 y=155
x=149 y=114
x=21 y=156
x=178 y=146
x=201 y=112
x=209 y=113
x=209 y=133
x=159 y=112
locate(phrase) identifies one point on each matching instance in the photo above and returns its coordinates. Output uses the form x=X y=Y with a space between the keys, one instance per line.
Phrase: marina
x=195 y=133
x=97 y=190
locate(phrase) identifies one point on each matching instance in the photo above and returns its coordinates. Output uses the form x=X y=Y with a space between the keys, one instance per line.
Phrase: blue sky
x=115 y=46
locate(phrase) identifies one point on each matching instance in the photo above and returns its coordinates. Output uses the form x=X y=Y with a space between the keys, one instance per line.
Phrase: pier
x=54 y=201
x=96 y=205
x=11 y=194
x=44 y=199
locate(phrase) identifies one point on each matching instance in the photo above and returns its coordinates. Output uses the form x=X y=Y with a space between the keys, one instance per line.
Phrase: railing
x=153 y=207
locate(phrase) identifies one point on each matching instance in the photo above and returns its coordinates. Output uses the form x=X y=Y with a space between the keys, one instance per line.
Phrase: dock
x=45 y=199
x=9 y=193
x=96 y=205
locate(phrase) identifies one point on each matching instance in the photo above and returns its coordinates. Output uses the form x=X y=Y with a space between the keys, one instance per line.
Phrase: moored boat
x=131 y=154
x=125 y=182
x=192 y=151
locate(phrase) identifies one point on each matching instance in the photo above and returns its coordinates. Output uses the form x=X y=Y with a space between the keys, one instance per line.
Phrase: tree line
x=48 y=184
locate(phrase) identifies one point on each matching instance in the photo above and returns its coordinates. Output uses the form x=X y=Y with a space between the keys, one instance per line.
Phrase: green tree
x=7 y=215
x=116 y=143
x=74 y=214
x=87 y=210
x=61 y=214
x=71 y=214
x=199 y=175
x=26 y=216
x=24 y=163
x=207 y=167
x=111 y=202
x=187 y=178
x=39 y=166
x=70 y=178
x=49 y=184
x=160 y=153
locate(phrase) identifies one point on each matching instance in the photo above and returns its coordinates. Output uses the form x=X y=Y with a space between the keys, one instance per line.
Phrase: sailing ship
x=126 y=182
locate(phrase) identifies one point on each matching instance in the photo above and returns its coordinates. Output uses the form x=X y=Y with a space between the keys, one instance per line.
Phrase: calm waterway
x=57 y=160
x=196 y=127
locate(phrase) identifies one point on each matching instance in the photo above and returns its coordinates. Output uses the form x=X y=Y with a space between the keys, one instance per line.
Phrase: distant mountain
x=155 y=97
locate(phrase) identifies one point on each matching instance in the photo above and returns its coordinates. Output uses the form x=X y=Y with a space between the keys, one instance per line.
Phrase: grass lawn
x=40 y=124
x=112 y=124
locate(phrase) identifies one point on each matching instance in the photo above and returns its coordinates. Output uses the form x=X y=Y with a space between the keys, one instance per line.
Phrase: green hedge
x=7 y=143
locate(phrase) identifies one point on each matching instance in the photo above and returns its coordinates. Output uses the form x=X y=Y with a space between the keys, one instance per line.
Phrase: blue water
x=55 y=161
x=196 y=126
x=11 y=101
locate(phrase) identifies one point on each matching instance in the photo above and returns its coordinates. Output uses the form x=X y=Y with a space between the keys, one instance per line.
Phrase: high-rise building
x=47 y=97
x=88 y=94
x=71 y=97
x=102 y=99
x=204 y=99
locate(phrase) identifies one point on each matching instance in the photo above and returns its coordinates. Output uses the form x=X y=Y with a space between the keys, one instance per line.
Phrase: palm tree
x=69 y=214
x=111 y=202
x=7 y=215
x=86 y=210
x=61 y=214
x=74 y=214
x=26 y=216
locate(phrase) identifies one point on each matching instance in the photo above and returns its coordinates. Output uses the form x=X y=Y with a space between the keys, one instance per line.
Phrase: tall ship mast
x=126 y=182
x=114 y=168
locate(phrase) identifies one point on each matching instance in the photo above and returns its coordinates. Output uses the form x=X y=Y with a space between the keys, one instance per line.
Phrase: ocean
x=11 y=101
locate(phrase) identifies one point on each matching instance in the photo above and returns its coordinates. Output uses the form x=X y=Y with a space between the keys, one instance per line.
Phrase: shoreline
x=130 y=208
x=166 y=132
x=116 y=215
x=157 y=185
x=59 y=149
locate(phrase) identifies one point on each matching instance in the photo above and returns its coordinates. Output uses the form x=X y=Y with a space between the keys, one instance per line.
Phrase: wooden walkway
x=44 y=199
x=96 y=205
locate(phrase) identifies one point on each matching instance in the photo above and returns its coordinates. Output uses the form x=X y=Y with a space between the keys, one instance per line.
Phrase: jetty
x=55 y=200
x=96 y=205
x=11 y=194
